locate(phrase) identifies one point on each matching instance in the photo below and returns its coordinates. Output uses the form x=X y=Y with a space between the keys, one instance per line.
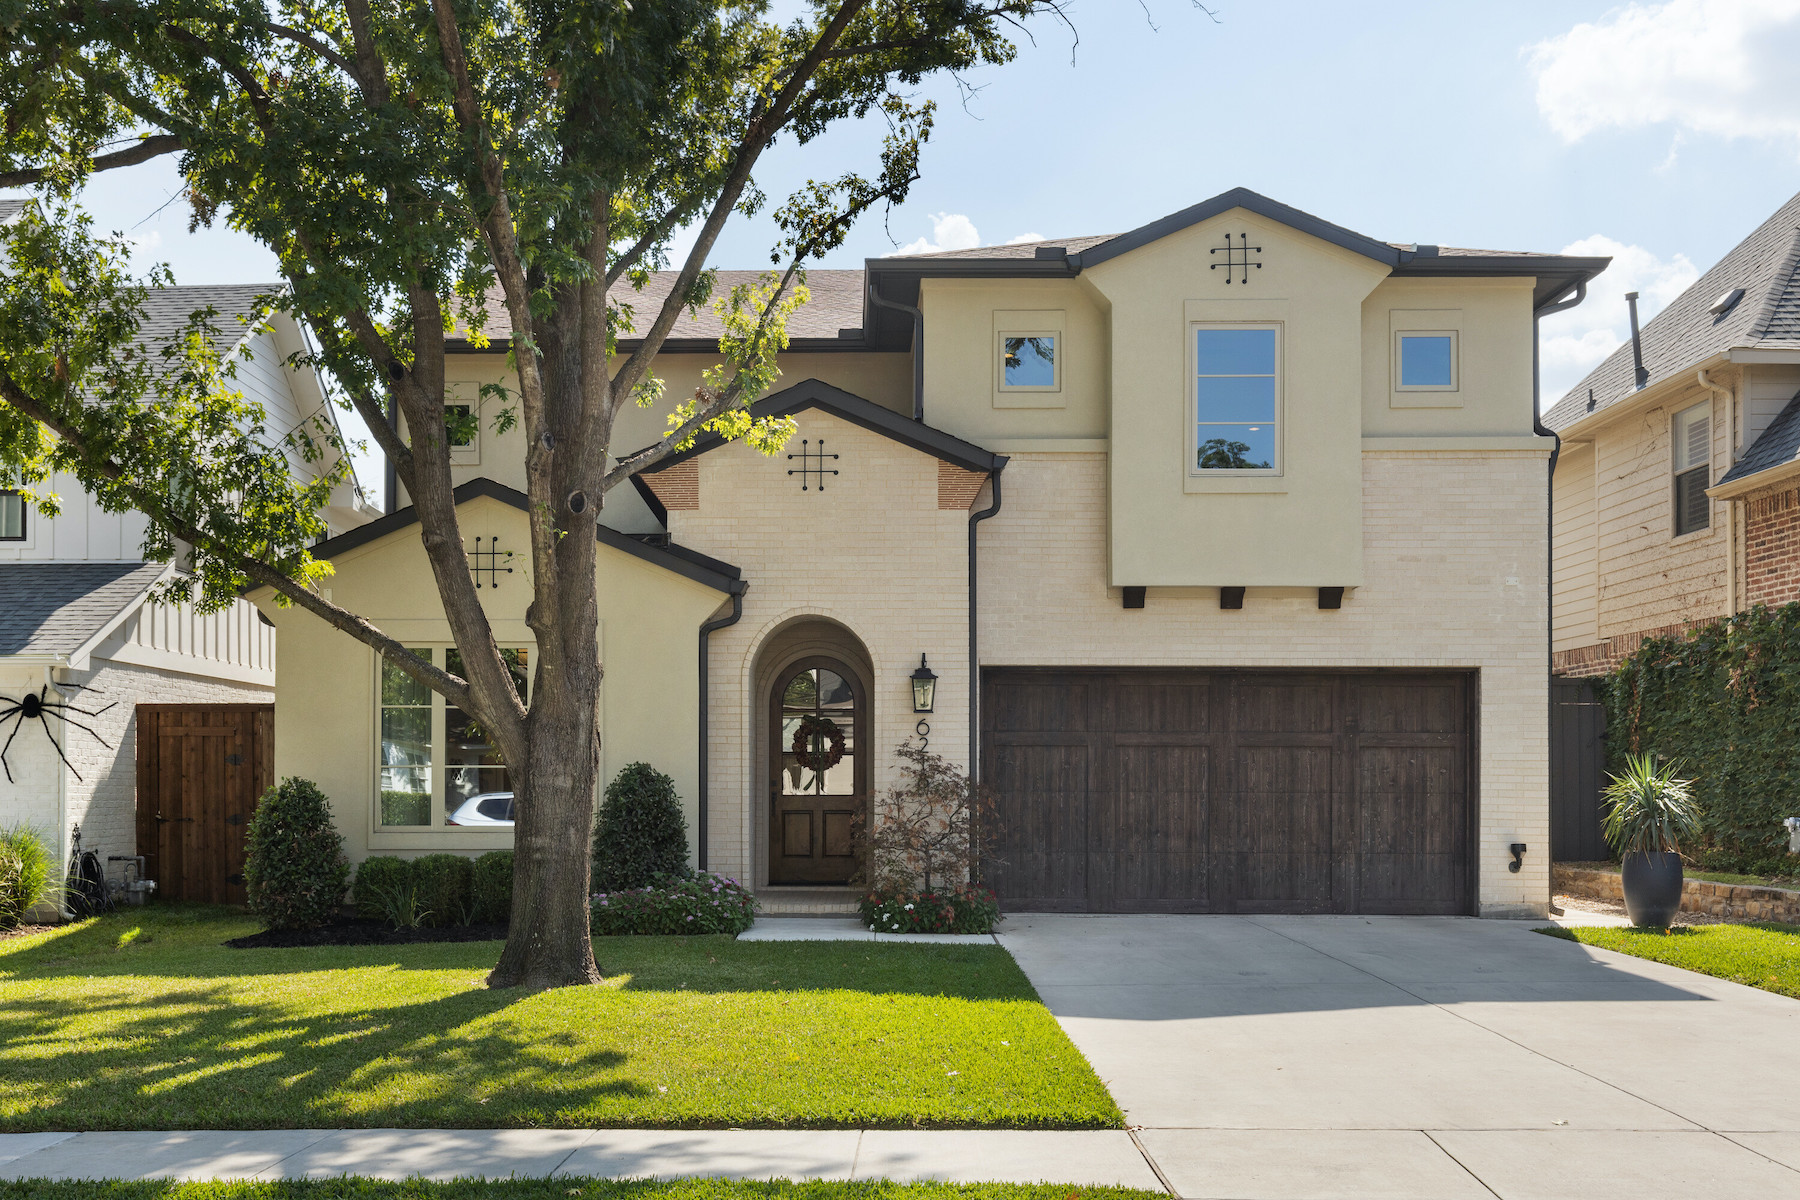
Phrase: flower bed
x=702 y=903
x=965 y=910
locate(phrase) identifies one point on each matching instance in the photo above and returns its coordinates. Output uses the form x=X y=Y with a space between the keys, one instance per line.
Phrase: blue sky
x=1659 y=133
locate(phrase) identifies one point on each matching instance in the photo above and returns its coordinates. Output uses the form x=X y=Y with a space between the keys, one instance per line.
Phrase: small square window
x=12 y=517
x=1028 y=362
x=462 y=424
x=1426 y=360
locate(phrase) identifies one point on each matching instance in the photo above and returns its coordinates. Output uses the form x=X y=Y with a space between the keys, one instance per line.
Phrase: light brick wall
x=1454 y=554
x=873 y=552
x=104 y=800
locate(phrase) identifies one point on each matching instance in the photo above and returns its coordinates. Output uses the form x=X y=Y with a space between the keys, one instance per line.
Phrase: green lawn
x=1763 y=956
x=144 y=1021
x=559 y=1189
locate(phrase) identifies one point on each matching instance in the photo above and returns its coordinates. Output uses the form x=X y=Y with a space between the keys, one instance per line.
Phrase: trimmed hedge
x=294 y=864
x=641 y=835
x=492 y=887
x=1723 y=702
x=382 y=873
x=702 y=903
x=963 y=910
x=446 y=888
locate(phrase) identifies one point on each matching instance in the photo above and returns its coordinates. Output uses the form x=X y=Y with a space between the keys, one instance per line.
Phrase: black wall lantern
x=924 y=682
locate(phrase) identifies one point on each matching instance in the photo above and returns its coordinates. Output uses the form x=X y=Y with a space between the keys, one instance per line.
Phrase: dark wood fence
x=1577 y=772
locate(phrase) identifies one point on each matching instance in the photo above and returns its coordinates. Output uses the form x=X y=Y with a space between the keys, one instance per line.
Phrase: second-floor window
x=1237 y=397
x=1692 y=431
x=12 y=517
x=462 y=423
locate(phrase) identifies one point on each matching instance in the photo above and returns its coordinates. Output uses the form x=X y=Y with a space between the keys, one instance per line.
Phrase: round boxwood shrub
x=379 y=880
x=493 y=887
x=641 y=836
x=294 y=864
x=445 y=888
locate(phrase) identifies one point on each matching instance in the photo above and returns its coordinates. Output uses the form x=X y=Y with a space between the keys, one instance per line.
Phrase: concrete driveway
x=1421 y=1057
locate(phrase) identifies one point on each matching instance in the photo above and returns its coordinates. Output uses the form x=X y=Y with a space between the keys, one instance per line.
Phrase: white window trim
x=440 y=771
x=1676 y=471
x=1056 y=363
x=455 y=395
x=27 y=526
x=1400 y=335
x=1192 y=402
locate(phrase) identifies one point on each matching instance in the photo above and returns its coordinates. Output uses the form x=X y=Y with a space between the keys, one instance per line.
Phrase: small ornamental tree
x=921 y=833
x=641 y=835
x=294 y=864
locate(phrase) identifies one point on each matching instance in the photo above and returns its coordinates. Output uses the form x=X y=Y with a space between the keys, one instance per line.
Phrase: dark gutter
x=918 y=344
x=706 y=631
x=1537 y=423
x=975 y=518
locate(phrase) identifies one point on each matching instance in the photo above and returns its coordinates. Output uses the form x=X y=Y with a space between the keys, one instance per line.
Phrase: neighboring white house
x=77 y=625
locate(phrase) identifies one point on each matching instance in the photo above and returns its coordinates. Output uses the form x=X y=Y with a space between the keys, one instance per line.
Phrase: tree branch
x=144 y=150
x=445 y=684
x=317 y=47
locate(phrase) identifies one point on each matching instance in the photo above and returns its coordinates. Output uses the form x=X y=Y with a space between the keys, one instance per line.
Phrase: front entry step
x=807 y=901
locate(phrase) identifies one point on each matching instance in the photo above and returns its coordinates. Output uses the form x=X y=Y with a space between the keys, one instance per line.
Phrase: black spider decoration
x=41 y=708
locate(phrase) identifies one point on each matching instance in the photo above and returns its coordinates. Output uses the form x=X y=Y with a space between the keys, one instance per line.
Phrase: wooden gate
x=1577 y=772
x=200 y=770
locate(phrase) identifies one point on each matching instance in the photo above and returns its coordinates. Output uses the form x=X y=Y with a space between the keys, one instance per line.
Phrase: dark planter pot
x=1652 y=888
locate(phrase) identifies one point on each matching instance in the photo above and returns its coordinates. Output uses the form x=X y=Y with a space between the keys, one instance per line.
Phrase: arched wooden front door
x=812 y=813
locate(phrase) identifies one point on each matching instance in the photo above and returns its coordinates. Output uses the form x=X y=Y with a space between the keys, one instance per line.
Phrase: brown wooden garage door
x=1230 y=791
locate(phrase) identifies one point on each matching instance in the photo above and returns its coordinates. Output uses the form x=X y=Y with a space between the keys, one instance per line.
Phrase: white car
x=489 y=808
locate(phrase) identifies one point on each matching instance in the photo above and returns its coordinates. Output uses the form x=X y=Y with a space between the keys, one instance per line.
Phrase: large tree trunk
x=549 y=944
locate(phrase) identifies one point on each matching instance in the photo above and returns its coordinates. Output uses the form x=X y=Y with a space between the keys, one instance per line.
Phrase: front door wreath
x=818 y=744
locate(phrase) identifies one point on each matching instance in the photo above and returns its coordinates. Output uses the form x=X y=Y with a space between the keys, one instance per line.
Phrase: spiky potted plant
x=1649 y=811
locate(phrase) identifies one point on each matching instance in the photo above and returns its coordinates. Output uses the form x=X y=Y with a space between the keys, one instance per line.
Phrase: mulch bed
x=366 y=933
x=25 y=931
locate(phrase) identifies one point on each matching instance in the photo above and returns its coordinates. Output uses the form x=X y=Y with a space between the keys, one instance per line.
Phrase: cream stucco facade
x=1400 y=528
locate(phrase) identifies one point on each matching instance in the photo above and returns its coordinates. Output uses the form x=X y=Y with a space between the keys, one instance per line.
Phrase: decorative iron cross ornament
x=812 y=464
x=1237 y=258
x=492 y=556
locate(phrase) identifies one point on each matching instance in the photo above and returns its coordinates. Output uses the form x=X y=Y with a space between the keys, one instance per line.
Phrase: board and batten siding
x=235 y=643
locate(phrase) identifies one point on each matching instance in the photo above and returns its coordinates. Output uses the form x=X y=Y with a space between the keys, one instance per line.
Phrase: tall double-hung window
x=1236 y=398
x=12 y=517
x=1692 y=460
x=437 y=765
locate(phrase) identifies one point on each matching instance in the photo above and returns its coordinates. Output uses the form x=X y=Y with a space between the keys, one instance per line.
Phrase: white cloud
x=1023 y=238
x=1724 y=68
x=1573 y=343
x=949 y=231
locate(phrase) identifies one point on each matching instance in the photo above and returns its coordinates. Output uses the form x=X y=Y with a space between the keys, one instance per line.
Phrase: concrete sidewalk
x=960 y=1156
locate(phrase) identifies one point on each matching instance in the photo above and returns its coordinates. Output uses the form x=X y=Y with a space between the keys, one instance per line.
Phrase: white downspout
x=1731 y=510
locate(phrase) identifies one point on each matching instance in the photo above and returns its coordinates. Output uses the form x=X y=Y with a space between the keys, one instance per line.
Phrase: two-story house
x=79 y=628
x=1220 y=546
x=1676 y=494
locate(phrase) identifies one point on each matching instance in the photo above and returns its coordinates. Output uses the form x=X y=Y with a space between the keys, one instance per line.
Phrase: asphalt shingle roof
x=55 y=607
x=11 y=208
x=835 y=302
x=1776 y=446
x=167 y=309
x=1766 y=265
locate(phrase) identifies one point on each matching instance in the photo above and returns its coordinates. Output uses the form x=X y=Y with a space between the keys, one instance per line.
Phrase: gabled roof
x=10 y=208
x=899 y=275
x=690 y=564
x=1686 y=333
x=811 y=393
x=167 y=309
x=61 y=607
x=1776 y=446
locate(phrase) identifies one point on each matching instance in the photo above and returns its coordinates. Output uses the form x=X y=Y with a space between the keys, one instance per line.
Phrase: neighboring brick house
x=1225 y=540
x=1675 y=494
x=78 y=625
